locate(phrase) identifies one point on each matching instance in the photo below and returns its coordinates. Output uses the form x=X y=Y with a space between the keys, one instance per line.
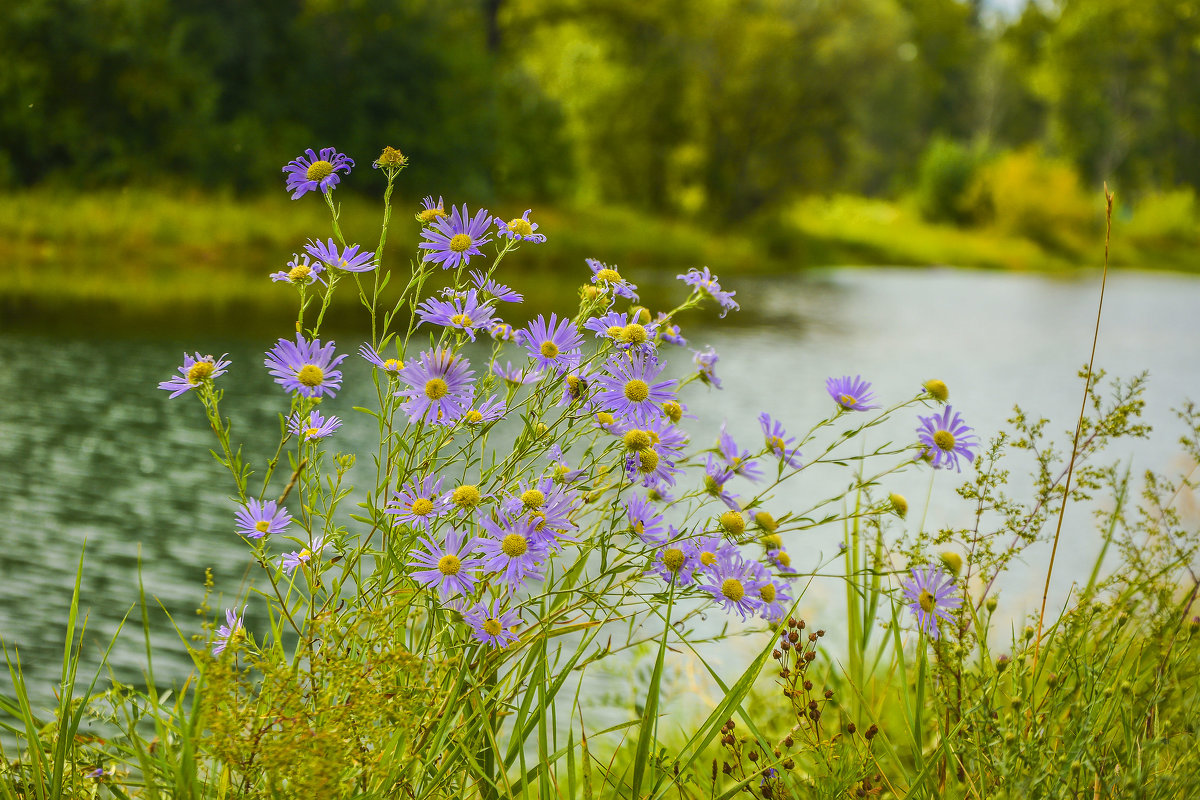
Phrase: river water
x=91 y=451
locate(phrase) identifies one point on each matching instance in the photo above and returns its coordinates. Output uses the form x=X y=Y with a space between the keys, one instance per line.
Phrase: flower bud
x=952 y=561
x=991 y=603
x=937 y=390
x=899 y=504
x=733 y=523
x=764 y=520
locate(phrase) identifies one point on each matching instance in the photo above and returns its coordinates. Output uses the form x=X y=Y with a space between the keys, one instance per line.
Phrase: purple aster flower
x=440 y=388
x=516 y=376
x=496 y=290
x=624 y=331
x=466 y=314
x=548 y=505
x=649 y=525
x=670 y=331
x=651 y=468
x=520 y=228
x=316 y=172
x=430 y=211
x=502 y=332
x=349 y=259
x=289 y=561
x=552 y=345
x=391 y=366
x=229 y=633
x=716 y=474
x=608 y=276
x=739 y=460
x=774 y=594
x=419 y=503
x=515 y=552
x=561 y=471
x=706 y=283
x=447 y=567
x=781 y=559
x=451 y=242
x=708 y=549
x=852 y=394
x=930 y=594
x=779 y=442
x=315 y=428
x=629 y=387
x=492 y=626
x=196 y=371
x=945 y=437
x=735 y=584
x=706 y=362
x=489 y=410
x=257 y=519
x=300 y=270
x=305 y=367
x=675 y=562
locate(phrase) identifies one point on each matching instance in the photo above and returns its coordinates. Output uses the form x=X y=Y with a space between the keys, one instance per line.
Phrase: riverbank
x=142 y=261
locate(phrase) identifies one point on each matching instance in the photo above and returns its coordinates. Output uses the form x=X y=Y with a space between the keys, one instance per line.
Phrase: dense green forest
x=717 y=110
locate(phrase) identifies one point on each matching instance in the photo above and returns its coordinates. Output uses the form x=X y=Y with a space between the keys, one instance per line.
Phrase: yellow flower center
x=422 y=506
x=767 y=593
x=520 y=227
x=775 y=443
x=200 y=371
x=847 y=399
x=783 y=558
x=767 y=523
x=927 y=601
x=299 y=272
x=634 y=334
x=647 y=460
x=673 y=410
x=532 y=498
x=492 y=627
x=733 y=589
x=641 y=314
x=460 y=243
x=449 y=564
x=428 y=215
x=613 y=332
x=262 y=526
x=673 y=559
x=608 y=274
x=436 y=388
x=549 y=349
x=461 y=320
x=393 y=365
x=304 y=555
x=636 y=440
x=937 y=390
x=637 y=390
x=707 y=558
x=944 y=440
x=311 y=432
x=474 y=417
x=514 y=545
x=391 y=157
x=604 y=418
x=573 y=385
x=733 y=522
x=319 y=170
x=310 y=375
x=466 y=496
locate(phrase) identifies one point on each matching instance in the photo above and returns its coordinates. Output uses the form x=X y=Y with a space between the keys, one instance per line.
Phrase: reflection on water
x=92 y=451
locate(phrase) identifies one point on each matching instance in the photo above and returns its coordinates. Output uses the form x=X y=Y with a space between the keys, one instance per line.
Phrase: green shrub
x=945 y=176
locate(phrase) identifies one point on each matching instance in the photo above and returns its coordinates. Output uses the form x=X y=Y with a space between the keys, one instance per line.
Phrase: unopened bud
x=937 y=390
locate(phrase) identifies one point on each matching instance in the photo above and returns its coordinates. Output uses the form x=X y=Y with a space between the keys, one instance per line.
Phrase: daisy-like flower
x=349 y=259
x=430 y=211
x=930 y=593
x=674 y=563
x=496 y=290
x=552 y=345
x=463 y=499
x=514 y=553
x=489 y=410
x=649 y=525
x=491 y=625
x=779 y=442
x=781 y=559
x=708 y=549
x=391 y=366
x=775 y=594
x=316 y=172
x=315 y=428
x=289 y=561
x=946 y=437
x=520 y=228
x=448 y=567
x=451 y=242
x=502 y=332
x=739 y=460
x=464 y=313
x=735 y=584
x=630 y=387
x=605 y=275
x=300 y=271
x=440 y=388
x=196 y=371
x=852 y=394
x=419 y=503
x=229 y=633
x=651 y=468
x=626 y=331
x=706 y=283
x=546 y=504
x=560 y=470
x=256 y=519
x=706 y=362
x=516 y=376
x=305 y=367
x=669 y=330
x=576 y=383
x=716 y=474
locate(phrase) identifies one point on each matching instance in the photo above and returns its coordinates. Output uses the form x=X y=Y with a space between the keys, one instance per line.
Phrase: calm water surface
x=92 y=452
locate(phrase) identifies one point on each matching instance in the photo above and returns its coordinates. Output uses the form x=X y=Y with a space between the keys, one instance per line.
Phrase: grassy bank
x=153 y=260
